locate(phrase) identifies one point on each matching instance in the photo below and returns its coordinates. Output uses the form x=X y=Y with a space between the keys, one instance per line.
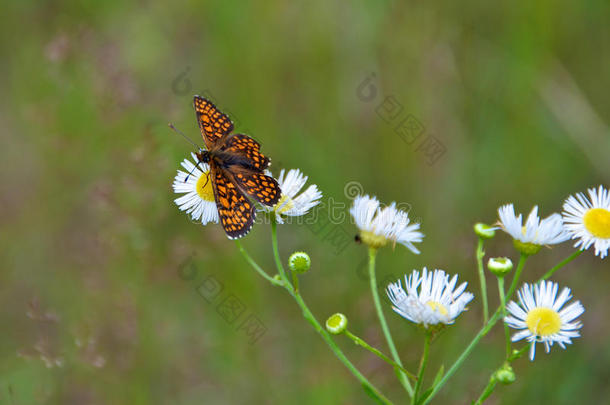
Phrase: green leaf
x=439 y=375
x=427 y=393
x=424 y=396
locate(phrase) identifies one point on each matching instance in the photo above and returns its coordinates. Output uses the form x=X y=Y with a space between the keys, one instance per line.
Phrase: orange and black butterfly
x=236 y=170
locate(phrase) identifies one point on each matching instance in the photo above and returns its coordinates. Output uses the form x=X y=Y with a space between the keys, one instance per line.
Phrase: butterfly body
x=237 y=170
x=225 y=159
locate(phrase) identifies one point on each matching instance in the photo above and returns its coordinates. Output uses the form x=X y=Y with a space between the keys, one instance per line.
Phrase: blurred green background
x=92 y=246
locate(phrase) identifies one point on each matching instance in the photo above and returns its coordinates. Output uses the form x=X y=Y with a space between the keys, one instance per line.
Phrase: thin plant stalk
x=489 y=389
x=454 y=367
x=484 y=331
x=480 y=254
x=378 y=353
x=513 y=285
x=422 y=368
x=295 y=281
x=503 y=306
x=255 y=266
x=561 y=264
x=308 y=315
x=276 y=252
x=384 y=326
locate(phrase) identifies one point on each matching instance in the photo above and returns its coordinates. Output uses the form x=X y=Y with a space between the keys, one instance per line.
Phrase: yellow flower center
x=597 y=221
x=438 y=307
x=543 y=321
x=204 y=188
x=373 y=240
x=284 y=204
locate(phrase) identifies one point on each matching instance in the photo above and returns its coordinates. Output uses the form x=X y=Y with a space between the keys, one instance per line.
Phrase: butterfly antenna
x=189 y=140
x=191 y=172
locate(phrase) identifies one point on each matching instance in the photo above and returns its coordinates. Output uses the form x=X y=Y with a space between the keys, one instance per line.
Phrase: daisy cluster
x=541 y=315
x=584 y=219
x=229 y=183
x=433 y=299
x=429 y=298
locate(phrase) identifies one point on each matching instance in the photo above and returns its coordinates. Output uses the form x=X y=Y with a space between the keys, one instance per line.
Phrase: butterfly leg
x=207 y=179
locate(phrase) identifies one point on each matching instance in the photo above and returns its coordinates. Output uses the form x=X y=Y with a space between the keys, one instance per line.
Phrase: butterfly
x=237 y=170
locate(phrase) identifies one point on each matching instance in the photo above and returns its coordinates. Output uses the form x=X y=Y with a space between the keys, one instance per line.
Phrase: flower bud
x=505 y=375
x=484 y=231
x=299 y=262
x=336 y=324
x=500 y=266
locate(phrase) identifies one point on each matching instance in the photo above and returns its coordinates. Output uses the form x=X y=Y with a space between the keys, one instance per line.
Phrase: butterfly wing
x=236 y=212
x=243 y=145
x=213 y=123
x=262 y=188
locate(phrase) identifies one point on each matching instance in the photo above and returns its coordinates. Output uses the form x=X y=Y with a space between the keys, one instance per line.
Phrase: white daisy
x=589 y=220
x=378 y=226
x=438 y=301
x=290 y=204
x=198 y=200
x=540 y=317
x=529 y=238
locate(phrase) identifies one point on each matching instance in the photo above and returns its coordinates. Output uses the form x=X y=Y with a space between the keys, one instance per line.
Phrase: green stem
x=561 y=264
x=276 y=254
x=484 y=330
x=518 y=353
x=513 y=285
x=422 y=367
x=492 y=380
x=255 y=266
x=480 y=255
x=336 y=350
x=361 y=342
x=487 y=391
x=384 y=326
x=510 y=356
x=503 y=306
x=307 y=314
x=295 y=281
